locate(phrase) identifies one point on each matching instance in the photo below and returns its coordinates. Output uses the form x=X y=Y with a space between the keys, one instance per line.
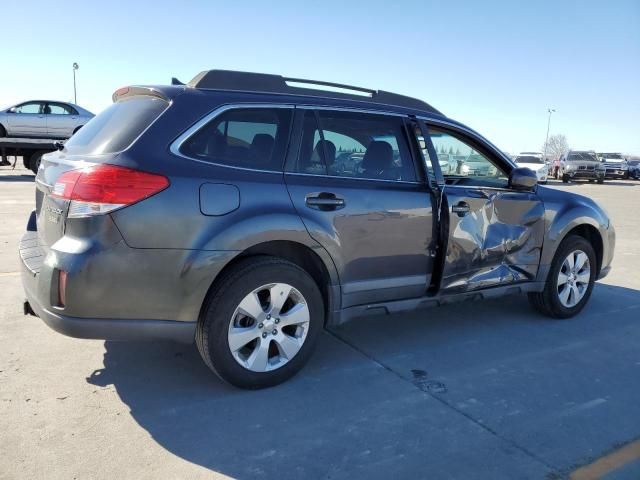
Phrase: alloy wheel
x=269 y=327
x=573 y=278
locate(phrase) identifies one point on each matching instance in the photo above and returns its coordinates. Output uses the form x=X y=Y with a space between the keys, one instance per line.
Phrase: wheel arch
x=316 y=262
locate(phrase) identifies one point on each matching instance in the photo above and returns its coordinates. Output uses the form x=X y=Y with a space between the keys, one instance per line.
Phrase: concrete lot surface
x=476 y=390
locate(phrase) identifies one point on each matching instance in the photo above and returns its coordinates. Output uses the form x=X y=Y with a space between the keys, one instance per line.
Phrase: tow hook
x=26 y=307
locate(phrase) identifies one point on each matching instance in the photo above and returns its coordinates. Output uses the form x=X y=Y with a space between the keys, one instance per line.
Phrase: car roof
x=263 y=87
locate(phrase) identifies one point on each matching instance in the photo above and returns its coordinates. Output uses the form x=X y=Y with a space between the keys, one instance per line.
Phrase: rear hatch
x=83 y=179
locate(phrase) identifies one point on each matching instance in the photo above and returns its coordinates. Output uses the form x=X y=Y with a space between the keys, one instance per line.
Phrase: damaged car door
x=494 y=233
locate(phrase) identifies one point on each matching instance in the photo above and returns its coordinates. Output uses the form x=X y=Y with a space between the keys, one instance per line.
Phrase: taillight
x=103 y=188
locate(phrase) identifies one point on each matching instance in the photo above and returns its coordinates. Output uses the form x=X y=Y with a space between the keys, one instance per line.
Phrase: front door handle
x=461 y=208
x=324 y=201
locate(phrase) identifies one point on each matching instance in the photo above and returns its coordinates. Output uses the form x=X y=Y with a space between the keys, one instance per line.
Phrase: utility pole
x=546 y=140
x=75 y=67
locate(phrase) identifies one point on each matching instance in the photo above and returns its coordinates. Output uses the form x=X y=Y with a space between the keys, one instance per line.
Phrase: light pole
x=75 y=67
x=546 y=140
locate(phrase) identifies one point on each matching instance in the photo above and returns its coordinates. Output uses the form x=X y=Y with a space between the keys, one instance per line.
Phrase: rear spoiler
x=125 y=92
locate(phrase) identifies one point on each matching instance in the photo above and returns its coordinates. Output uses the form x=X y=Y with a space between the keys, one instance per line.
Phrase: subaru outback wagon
x=248 y=211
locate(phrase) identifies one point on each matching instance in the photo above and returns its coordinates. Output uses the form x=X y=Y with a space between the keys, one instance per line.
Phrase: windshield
x=528 y=159
x=582 y=156
x=612 y=156
x=116 y=127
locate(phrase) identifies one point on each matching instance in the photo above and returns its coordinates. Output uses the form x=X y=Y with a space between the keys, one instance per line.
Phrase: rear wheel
x=34 y=161
x=3 y=132
x=260 y=323
x=601 y=181
x=570 y=280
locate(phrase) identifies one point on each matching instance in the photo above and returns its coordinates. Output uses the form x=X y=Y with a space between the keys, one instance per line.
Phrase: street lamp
x=546 y=140
x=75 y=67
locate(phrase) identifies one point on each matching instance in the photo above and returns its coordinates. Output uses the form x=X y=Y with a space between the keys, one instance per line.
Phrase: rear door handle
x=324 y=201
x=461 y=208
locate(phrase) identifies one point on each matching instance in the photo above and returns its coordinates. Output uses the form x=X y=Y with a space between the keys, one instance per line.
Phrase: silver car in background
x=43 y=119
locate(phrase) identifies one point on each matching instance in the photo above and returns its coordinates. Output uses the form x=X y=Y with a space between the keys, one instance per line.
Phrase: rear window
x=115 y=128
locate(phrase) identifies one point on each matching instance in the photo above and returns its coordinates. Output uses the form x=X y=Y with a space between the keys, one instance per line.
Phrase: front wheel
x=601 y=181
x=260 y=323
x=570 y=280
x=565 y=178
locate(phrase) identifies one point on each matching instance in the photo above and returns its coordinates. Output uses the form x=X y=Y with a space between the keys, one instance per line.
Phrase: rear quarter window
x=116 y=127
x=254 y=138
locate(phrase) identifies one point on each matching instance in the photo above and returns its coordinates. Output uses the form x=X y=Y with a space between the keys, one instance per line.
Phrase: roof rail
x=267 y=83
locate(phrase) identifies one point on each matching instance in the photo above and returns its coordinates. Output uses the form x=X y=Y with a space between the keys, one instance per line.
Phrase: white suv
x=535 y=162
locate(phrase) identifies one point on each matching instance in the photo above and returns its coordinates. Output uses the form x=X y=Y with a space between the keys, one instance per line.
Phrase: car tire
x=601 y=181
x=34 y=161
x=240 y=304
x=565 y=178
x=3 y=132
x=562 y=278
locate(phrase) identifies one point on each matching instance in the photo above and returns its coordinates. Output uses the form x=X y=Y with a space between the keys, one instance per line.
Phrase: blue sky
x=495 y=66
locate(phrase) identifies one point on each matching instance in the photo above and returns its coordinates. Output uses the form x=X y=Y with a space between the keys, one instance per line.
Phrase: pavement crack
x=423 y=387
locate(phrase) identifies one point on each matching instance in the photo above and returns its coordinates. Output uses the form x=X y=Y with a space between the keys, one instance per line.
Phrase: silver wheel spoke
x=295 y=316
x=288 y=346
x=570 y=260
x=562 y=278
x=251 y=306
x=584 y=277
x=581 y=258
x=259 y=359
x=279 y=294
x=239 y=337
x=564 y=295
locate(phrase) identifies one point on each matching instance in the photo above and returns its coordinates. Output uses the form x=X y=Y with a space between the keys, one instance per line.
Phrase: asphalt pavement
x=474 y=390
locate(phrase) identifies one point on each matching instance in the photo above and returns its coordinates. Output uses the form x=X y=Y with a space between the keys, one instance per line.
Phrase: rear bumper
x=102 y=328
x=115 y=292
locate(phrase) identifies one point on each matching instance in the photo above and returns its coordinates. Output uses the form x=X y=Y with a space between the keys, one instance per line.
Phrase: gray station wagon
x=246 y=212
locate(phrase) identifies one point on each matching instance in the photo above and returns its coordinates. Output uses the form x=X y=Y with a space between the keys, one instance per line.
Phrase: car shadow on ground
x=349 y=413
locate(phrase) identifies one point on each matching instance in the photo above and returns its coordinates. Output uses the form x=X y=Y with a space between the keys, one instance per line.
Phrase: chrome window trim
x=177 y=143
x=365 y=179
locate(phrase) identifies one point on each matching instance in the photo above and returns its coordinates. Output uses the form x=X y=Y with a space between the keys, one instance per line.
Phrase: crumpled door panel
x=498 y=241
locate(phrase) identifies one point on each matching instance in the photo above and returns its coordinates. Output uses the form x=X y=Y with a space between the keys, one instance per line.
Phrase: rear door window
x=254 y=138
x=357 y=145
x=116 y=127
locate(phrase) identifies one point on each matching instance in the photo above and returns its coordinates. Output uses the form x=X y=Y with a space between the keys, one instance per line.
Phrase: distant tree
x=457 y=151
x=450 y=150
x=556 y=146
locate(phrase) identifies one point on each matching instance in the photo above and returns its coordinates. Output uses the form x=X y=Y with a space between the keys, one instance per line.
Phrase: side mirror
x=12 y=110
x=523 y=179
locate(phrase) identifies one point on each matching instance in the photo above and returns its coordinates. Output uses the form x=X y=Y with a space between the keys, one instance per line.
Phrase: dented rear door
x=494 y=237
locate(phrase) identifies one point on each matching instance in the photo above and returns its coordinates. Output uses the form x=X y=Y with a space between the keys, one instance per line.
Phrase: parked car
x=535 y=162
x=634 y=169
x=43 y=119
x=476 y=165
x=581 y=165
x=447 y=164
x=615 y=164
x=215 y=217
